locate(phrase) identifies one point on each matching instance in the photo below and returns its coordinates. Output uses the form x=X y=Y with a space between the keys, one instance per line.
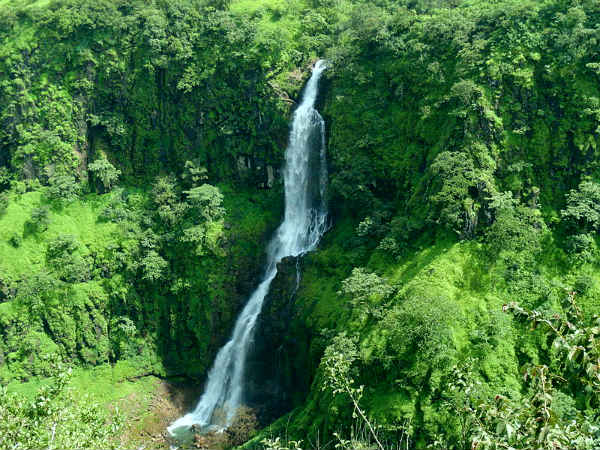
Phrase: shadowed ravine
x=305 y=221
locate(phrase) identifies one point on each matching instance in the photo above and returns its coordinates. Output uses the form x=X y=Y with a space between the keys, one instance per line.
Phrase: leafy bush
x=153 y=266
x=583 y=207
x=545 y=417
x=106 y=172
x=460 y=189
x=116 y=211
x=421 y=325
x=39 y=219
x=3 y=202
x=63 y=188
x=123 y=333
x=581 y=248
x=337 y=365
x=367 y=291
x=15 y=240
x=5 y=178
x=207 y=200
x=54 y=418
x=516 y=228
x=62 y=257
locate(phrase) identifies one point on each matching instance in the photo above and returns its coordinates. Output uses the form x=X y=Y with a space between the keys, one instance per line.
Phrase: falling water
x=305 y=221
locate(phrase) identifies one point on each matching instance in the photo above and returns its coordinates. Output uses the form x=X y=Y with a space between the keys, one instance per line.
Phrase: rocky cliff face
x=277 y=368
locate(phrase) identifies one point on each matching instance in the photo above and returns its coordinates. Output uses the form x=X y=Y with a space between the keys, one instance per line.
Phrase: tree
x=5 y=178
x=39 y=293
x=583 y=207
x=153 y=266
x=107 y=173
x=63 y=188
x=165 y=194
x=337 y=364
x=581 y=248
x=365 y=289
x=207 y=200
x=65 y=261
x=516 y=228
x=459 y=189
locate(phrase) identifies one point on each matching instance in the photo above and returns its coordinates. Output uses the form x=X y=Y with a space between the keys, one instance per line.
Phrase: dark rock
x=276 y=378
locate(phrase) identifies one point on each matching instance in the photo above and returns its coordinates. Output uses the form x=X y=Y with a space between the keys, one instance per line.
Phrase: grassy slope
x=148 y=402
x=79 y=219
x=460 y=276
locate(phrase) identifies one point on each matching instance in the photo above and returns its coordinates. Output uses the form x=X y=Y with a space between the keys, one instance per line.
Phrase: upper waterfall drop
x=304 y=223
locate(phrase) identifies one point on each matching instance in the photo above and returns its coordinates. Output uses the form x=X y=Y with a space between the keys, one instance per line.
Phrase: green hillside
x=453 y=303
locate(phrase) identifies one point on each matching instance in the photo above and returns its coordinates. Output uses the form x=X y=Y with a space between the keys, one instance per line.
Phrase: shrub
x=516 y=228
x=5 y=177
x=63 y=188
x=581 y=248
x=208 y=201
x=459 y=186
x=54 y=418
x=15 y=240
x=61 y=256
x=153 y=266
x=3 y=202
x=106 y=172
x=39 y=219
x=583 y=207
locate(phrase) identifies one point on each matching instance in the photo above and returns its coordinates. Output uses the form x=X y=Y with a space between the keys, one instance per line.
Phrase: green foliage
x=461 y=188
x=62 y=258
x=153 y=266
x=446 y=119
x=535 y=421
x=582 y=248
x=123 y=338
x=207 y=200
x=516 y=228
x=583 y=207
x=421 y=325
x=531 y=422
x=39 y=219
x=5 y=178
x=337 y=364
x=63 y=188
x=15 y=240
x=106 y=173
x=3 y=202
x=362 y=285
x=54 y=418
x=193 y=173
x=150 y=97
x=108 y=281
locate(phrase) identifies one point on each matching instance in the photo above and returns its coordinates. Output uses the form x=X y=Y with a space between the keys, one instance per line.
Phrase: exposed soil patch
x=150 y=414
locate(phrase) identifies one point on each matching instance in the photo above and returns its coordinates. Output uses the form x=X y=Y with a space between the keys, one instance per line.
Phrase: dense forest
x=454 y=302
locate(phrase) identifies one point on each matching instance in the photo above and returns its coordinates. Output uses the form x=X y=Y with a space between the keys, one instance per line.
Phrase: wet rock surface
x=275 y=374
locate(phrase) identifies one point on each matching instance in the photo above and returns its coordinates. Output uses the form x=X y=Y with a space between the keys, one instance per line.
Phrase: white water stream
x=305 y=221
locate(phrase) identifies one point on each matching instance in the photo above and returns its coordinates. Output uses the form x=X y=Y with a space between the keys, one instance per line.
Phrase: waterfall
x=305 y=221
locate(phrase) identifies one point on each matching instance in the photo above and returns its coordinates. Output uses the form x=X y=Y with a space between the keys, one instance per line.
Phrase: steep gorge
x=141 y=177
